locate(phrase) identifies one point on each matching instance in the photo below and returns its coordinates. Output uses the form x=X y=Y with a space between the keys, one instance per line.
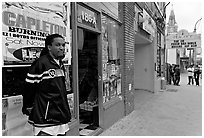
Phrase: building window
x=110 y=59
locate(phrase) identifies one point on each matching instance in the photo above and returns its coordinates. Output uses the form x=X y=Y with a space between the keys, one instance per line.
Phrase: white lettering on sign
x=88 y=17
x=21 y=23
x=187 y=41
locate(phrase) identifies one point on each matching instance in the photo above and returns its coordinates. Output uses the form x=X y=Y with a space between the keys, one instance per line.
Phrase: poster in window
x=67 y=79
x=113 y=69
x=105 y=74
x=26 y=25
x=106 y=91
x=105 y=51
x=115 y=87
x=70 y=98
x=104 y=28
x=112 y=41
x=119 y=86
x=112 y=89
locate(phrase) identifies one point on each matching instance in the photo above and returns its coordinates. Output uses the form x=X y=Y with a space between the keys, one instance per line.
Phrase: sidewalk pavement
x=175 y=112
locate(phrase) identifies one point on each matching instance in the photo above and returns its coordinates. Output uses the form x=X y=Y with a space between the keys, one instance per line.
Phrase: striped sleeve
x=30 y=87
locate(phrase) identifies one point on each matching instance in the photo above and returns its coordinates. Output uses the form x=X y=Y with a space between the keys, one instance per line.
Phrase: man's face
x=57 y=48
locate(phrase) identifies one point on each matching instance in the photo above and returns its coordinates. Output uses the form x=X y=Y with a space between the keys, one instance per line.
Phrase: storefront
x=98 y=84
x=93 y=62
x=24 y=29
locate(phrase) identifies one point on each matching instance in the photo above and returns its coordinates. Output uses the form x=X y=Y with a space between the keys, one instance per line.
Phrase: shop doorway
x=88 y=81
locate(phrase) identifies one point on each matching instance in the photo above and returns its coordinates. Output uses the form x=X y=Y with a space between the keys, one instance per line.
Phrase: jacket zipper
x=47 y=109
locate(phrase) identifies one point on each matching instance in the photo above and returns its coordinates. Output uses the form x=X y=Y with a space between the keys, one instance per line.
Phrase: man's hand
x=27 y=111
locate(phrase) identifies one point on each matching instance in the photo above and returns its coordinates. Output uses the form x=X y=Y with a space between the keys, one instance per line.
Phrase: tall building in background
x=172 y=26
x=173 y=55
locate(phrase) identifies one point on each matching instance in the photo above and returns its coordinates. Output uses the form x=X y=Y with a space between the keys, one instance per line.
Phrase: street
x=177 y=111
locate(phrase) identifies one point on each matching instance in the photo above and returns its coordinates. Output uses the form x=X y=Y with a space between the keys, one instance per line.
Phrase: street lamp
x=194 y=49
x=195 y=25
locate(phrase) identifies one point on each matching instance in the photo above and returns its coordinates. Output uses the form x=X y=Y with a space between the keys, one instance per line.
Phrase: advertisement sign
x=148 y=24
x=183 y=41
x=25 y=26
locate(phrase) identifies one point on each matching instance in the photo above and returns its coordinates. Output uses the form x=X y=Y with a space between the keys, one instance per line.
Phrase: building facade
x=149 y=46
x=114 y=49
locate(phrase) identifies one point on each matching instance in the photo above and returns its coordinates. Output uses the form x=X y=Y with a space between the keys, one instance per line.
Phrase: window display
x=110 y=59
x=70 y=95
x=25 y=26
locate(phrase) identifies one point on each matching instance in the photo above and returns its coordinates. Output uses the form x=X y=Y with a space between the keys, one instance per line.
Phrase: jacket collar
x=53 y=61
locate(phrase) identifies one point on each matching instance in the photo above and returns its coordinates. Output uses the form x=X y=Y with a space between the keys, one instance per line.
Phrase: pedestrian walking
x=177 y=75
x=190 y=74
x=197 y=74
x=45 y=96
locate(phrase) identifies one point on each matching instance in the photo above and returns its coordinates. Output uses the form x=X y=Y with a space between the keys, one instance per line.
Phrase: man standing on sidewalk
x=45 y=96
x=177 y=75
x=190 y=74
x=196 y=75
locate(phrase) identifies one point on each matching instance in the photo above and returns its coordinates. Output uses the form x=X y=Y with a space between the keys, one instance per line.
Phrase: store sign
x=25 y=27
x=86 y=17
x=148 y=24
x=183 y=41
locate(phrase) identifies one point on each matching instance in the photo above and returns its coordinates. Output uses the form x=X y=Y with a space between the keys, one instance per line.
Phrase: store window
x=13 y=79
x=70 y=95
x=22 y=44
x=110 y=59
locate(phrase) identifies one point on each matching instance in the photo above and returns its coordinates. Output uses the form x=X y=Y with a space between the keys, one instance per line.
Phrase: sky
x=187 y=13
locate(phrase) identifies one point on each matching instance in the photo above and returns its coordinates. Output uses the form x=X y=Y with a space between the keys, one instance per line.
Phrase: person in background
x=200 y=67
x=197 y=73
x=45 y=96
x=177 y=75
x=190 y=74
x=173 y=74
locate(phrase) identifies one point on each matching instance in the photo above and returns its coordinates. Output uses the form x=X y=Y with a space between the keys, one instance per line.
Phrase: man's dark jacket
x=45 y=92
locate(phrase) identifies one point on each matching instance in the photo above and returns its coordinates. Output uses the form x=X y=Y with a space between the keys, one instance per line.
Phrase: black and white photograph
x=101 y=68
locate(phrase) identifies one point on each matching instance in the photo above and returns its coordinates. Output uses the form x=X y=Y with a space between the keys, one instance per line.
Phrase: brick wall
x=126 y=14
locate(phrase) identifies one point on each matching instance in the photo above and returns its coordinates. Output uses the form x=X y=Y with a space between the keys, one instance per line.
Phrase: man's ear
x=49 y=47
